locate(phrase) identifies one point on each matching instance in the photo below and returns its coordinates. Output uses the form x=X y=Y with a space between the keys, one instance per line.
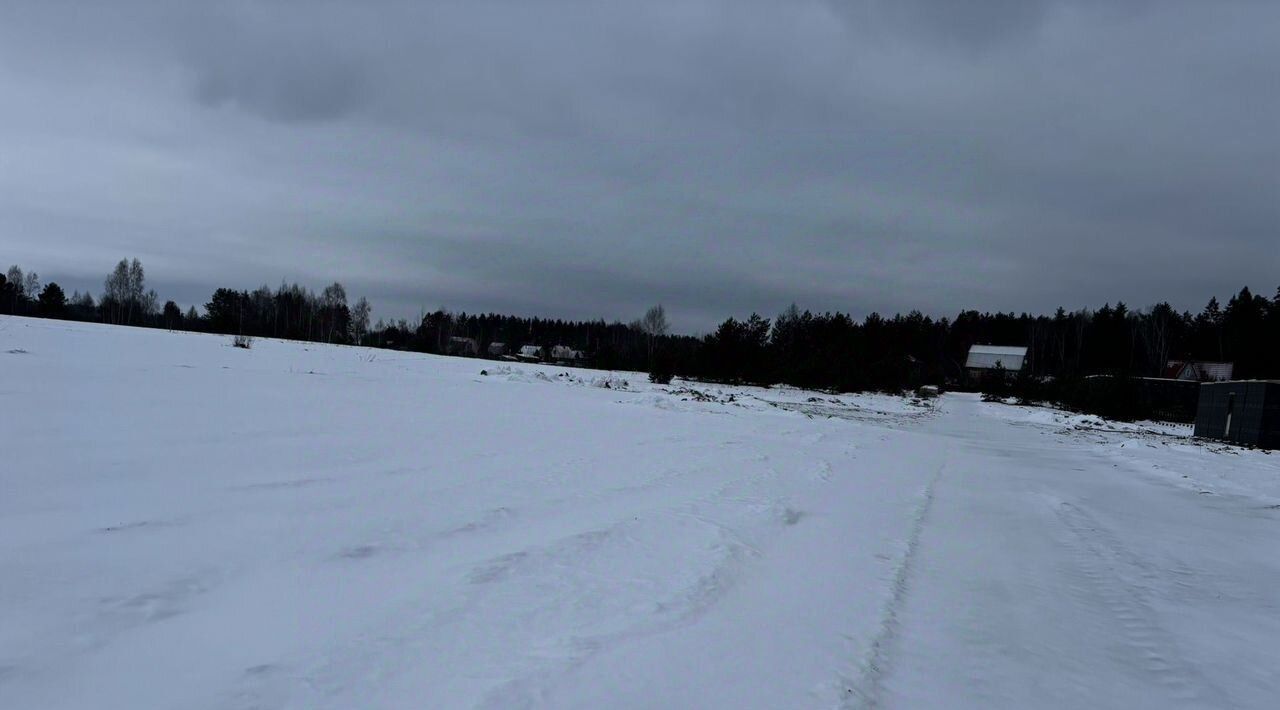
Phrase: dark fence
x=1242 y=412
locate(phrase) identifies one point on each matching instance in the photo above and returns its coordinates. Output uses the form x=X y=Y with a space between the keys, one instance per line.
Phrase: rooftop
x=998 y=350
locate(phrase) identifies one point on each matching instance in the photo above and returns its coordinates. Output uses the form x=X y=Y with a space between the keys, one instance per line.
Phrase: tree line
x=826 y=350
x=832 y=350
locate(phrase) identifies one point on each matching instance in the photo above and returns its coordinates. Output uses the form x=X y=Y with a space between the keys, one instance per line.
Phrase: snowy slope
x=184 y=524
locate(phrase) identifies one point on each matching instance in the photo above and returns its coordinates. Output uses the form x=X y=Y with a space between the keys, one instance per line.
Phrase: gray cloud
x=307 y=83
x=586 y=159
x=949 y=23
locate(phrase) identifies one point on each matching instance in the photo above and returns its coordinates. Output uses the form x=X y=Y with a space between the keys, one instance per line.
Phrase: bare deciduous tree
x=149 y=305
x=654 y=325
x=16 y=279
x=125 y=294
x=115 y=292
x=135 y=283
x=333 y=304
x=31 y=287
x=360 y=320
x=655 y=321
x=18 y=287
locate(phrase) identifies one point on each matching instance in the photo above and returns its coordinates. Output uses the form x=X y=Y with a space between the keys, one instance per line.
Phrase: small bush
x=661 y=372
x=242 y=341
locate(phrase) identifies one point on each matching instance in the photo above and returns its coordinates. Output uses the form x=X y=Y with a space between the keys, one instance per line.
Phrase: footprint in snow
x=496 y=570
x=361 y=552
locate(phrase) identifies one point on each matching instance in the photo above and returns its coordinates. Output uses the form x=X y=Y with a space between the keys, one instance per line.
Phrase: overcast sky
x=587 y=159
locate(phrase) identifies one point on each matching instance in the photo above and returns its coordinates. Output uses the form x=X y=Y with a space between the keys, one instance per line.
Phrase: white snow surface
x=184 y=524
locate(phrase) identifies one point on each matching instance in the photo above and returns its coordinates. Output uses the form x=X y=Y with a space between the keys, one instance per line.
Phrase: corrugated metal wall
x=1242 y=412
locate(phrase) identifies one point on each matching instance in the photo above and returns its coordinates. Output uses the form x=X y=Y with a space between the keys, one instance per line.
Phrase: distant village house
x=1197 y=371
x=463 y=346
x=985 y=360
x=566 y=355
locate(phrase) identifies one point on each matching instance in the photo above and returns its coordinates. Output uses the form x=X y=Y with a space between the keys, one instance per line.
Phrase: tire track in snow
x=1102 y=559
x=866 y=692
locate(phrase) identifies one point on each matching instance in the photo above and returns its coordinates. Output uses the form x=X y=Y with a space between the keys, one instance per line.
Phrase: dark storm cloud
x=582 y=159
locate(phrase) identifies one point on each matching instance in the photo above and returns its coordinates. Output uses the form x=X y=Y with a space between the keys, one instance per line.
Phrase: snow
x=184 y=524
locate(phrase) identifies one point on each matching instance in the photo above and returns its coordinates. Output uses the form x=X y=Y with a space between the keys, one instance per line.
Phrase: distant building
x=984 y=359
x=497 y=349
x=530 y=353
x=463 y=346
x=1240 y=411
x=565 y=354
x=1197 y=371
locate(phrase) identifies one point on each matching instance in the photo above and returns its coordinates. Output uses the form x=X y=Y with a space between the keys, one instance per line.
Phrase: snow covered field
x=184 y=524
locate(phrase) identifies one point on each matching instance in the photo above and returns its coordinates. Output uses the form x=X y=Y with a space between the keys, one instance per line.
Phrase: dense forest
x=818 y=350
